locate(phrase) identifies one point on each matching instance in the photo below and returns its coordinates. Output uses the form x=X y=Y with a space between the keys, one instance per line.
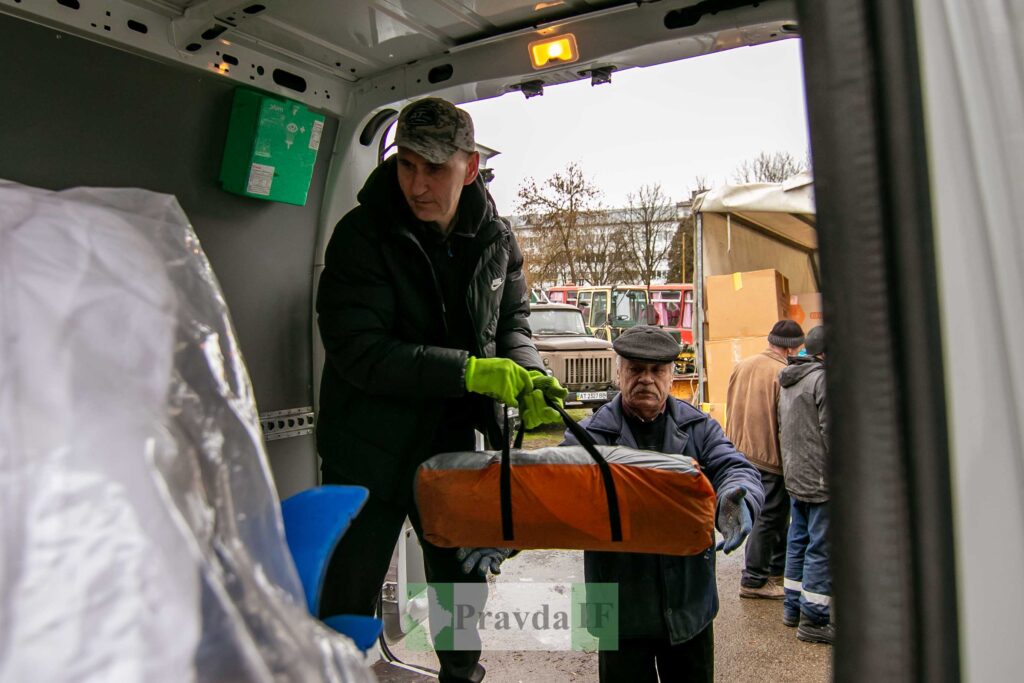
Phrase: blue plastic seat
x=314 y=522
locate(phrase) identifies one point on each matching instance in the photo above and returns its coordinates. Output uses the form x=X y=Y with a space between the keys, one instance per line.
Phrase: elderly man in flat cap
x=667 y=603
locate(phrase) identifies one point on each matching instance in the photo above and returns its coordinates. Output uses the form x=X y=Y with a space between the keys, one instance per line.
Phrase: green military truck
x=583 y=364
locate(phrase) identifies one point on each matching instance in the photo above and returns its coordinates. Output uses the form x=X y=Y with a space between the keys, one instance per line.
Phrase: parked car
x=582 y=363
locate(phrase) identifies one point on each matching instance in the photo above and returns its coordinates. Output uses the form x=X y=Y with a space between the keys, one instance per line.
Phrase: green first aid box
x=271 y=148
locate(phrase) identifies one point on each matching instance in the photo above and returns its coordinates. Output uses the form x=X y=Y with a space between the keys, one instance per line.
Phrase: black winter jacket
x=390 y=371
x=803 y=429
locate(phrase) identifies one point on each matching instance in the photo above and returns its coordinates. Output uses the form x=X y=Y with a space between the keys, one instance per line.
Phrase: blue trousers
x=808 y=579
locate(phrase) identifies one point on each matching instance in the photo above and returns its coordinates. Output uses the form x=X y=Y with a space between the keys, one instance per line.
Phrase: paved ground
x=751 y=643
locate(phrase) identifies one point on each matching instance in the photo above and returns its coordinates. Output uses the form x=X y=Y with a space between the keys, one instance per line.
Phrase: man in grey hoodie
x=803 y=440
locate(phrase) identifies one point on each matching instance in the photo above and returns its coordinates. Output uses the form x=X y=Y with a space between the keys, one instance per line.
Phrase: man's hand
x=535 y=411
x=549 y=386
x=482 y=559
x=499 y=378
x=733 y=518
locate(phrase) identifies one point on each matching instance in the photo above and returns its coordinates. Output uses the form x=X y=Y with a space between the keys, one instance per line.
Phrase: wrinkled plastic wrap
x=142 y=537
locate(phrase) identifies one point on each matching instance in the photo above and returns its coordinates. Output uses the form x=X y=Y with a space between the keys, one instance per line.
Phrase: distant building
x=529 y=235
x=684 y=209
x=486 y=154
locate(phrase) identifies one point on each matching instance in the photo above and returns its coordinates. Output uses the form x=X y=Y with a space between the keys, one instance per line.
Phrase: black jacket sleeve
x=514 y=339
x=356 y=308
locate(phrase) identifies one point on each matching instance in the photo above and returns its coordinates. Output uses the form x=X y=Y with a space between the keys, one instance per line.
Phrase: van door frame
x=890 y=450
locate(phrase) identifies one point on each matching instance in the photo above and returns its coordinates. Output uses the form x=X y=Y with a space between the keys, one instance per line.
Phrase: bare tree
x=700 y=184
x=768 y=167
x=680 y=254
x=648 y=223
x=558 y=213
x=603 y=255
x=538 y=266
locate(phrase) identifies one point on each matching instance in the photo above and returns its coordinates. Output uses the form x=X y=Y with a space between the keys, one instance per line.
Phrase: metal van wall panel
x=88 y=115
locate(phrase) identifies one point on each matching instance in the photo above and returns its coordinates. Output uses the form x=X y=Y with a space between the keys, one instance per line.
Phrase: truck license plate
x=592 y=396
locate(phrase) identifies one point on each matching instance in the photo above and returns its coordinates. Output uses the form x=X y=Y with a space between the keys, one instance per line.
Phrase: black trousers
x=765 y=554
x=651 y=660
x=360 y=563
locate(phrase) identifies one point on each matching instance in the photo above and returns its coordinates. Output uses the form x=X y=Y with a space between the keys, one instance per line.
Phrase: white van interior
x=915 y=112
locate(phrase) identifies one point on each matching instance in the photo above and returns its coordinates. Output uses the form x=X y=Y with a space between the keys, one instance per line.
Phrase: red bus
x=563 y=294
x=673 y=307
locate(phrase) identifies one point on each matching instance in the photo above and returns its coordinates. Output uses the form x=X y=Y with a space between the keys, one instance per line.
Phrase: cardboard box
x=745 y=304
x=715 y=410
x=805 y=309
x=721 y=357
x=684 y=387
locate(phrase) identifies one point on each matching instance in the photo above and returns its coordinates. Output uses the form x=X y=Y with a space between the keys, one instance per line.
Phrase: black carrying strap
x=505 y=481
x=587 y=442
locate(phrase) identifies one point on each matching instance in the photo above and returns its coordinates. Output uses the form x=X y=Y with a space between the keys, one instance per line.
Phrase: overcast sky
x=664 y=124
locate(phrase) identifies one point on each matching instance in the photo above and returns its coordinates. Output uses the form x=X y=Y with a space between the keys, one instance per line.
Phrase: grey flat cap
x=647 y=344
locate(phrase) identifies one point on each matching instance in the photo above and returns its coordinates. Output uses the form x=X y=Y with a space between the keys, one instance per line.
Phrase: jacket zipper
x=473 y=278
x=433 y=276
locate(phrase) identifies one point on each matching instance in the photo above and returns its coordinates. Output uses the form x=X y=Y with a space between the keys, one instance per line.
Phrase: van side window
x=583 y=303
x=600 y=308
x=688 y=310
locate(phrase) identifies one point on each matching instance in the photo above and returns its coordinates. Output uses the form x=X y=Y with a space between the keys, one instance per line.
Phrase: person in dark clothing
x=667 y=603
x=422 y=307
x=803 y=437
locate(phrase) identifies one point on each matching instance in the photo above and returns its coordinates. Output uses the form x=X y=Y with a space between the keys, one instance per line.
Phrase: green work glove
x=549 y=386
x=499 y=378
x=534 y=410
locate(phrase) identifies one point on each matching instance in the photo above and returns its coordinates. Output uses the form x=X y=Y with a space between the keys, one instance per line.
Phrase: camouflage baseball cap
x=434 y=129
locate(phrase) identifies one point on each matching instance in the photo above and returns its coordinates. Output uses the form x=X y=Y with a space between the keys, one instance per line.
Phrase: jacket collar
x=611 y=423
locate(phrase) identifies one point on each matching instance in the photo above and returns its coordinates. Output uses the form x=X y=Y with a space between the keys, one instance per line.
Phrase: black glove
x=733 y=518
x=483 y=559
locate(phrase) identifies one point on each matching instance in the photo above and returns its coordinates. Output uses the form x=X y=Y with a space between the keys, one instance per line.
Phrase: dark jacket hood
x=476 y=207
x=798 y=368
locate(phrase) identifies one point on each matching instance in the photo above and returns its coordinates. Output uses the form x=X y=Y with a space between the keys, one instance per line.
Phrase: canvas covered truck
x=756 y=247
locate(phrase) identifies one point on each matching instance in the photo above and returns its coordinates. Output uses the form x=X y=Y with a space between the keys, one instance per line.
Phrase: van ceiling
x=370 y=36
x=352 y=56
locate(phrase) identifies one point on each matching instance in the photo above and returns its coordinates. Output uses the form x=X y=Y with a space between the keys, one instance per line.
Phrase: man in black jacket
x=422 y=307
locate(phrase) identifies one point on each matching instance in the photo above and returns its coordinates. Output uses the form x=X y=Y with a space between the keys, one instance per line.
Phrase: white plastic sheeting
x=141 y=534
